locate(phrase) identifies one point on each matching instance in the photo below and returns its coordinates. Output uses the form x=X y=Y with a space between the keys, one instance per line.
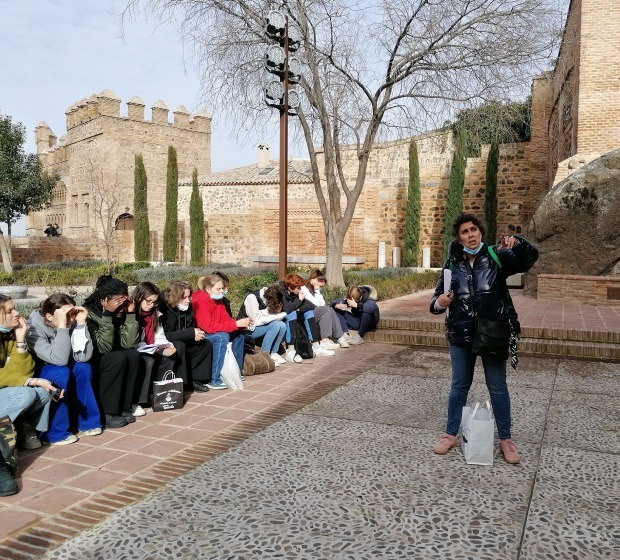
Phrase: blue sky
x=56 y=52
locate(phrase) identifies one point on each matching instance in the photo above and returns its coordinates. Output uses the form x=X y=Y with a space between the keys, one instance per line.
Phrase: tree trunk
x=333 y=268
x=5 y=250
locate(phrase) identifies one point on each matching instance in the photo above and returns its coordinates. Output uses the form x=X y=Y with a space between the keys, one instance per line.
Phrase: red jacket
x=210 y=315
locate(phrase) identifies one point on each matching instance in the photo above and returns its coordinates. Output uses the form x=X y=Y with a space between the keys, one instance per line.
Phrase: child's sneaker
x=445 y=443
x=329 y=345
x=509 y=450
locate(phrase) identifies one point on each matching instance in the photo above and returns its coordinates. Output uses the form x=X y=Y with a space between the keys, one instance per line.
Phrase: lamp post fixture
x=285 y=39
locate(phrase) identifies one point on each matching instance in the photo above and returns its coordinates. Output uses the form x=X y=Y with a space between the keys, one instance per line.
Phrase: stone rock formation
x=577 y=225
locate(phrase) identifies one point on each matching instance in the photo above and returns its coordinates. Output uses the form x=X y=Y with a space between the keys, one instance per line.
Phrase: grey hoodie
x=56 y=346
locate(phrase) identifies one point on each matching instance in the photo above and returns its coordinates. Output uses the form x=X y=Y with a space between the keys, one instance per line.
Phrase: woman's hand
x=352 y=303
x=445 y=299
x=22 y=330
x=199 y=334
x=507 y=242
x=245 y=322
x=130 y=305
x=44 y=384
x=80 y=315
x=169 y=350
x=341 y=306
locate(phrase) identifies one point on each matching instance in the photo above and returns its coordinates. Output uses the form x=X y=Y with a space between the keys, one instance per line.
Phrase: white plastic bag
x=477 y=427
x=231 y=375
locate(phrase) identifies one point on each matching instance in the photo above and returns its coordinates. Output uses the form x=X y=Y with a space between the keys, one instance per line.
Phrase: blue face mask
x=4 y=329
x=473 y=251
x=217 y=296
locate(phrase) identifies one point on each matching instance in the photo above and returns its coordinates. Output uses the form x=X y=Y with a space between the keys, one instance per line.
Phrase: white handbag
x=478 y=426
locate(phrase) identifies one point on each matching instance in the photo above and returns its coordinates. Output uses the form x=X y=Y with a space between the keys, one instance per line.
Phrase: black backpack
x=303 y=346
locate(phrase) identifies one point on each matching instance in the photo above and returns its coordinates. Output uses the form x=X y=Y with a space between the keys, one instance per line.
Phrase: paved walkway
x=330 y=459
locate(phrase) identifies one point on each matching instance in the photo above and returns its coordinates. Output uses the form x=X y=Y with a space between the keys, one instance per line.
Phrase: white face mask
x=183 y=306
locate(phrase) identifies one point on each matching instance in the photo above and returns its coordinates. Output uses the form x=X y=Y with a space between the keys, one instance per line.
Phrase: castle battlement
x=108 y=104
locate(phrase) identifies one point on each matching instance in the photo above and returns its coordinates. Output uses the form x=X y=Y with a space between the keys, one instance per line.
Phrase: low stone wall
x=589 y=290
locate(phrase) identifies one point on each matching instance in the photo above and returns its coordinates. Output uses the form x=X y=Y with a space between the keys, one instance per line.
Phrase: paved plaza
x=331 y=459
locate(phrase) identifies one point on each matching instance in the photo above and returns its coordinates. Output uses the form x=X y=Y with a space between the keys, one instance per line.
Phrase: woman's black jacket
x=488 y=282
x=291 y=301
x=177 y=324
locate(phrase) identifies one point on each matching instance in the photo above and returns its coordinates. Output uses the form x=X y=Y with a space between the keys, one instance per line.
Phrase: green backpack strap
x=494 y=256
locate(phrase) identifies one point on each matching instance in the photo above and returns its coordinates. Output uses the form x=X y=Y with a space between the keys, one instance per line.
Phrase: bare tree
x=107 y=201
x=374 y=69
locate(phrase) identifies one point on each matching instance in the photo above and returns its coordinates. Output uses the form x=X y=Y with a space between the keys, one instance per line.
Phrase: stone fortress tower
x=95 y=160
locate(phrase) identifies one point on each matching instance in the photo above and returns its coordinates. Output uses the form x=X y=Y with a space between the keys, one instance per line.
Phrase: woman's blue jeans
x=219 y=341
x=79 y=402
x=31 y=403
x=463 y=363
x=272 y=334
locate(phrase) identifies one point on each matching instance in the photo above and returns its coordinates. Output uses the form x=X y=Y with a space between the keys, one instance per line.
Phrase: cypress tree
x=142 y=245
x=490 y=194
x=196 y=223
x=454 y=198
x=172 y=195
x=411 y=250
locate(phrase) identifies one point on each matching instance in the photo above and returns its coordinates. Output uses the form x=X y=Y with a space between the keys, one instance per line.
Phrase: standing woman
x=115 y=333
x=62 y=347
x=478 y=288
x=193 y=350
x=165 y=358
x=326 y=318
x=220 y=328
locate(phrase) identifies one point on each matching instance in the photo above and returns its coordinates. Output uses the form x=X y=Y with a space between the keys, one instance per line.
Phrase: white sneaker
x=329 y=345
x=355 y=340
x=321 y=351
x=277 y=359
x=343 y=341
x=276 y=362
x=71 y=438
x=137 y=410
x=292 y=356
x=91 y=432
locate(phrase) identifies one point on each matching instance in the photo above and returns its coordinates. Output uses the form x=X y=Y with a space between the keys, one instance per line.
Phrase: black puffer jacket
x=177 y=324
x=291 y=301
x=489 y=286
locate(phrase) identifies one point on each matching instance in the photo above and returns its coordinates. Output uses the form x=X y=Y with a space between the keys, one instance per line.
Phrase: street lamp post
x=277 y=94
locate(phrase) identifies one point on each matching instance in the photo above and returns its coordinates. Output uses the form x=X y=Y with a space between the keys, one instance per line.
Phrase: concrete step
x=594 y=345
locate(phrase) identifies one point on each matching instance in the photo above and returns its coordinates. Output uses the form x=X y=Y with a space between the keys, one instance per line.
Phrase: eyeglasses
x=151 y=301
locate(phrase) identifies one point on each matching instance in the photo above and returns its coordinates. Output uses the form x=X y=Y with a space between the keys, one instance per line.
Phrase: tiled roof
x=299 y=171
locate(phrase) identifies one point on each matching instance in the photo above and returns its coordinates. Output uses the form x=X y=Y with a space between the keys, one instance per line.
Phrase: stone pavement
x=331 y=459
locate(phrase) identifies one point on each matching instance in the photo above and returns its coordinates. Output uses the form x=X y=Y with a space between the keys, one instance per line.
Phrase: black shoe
x=202 y=387
x=128 y=415
x=115 y=421
x=8 y=486
x=27 y=437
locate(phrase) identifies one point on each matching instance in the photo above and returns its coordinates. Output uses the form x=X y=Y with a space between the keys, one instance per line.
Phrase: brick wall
x=590 y=290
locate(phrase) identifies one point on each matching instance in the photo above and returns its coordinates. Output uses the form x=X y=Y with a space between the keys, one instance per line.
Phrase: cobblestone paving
x=351 y=476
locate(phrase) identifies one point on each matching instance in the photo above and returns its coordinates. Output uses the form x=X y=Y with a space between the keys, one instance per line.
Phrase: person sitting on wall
x=50 y=231
x=62 y=347
x=219 y=327
x=23 y=398
x=193 y=349
x=164 y=358
x=115 y=333
x=359 y=311
x=264 y=307
x=56 y=228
